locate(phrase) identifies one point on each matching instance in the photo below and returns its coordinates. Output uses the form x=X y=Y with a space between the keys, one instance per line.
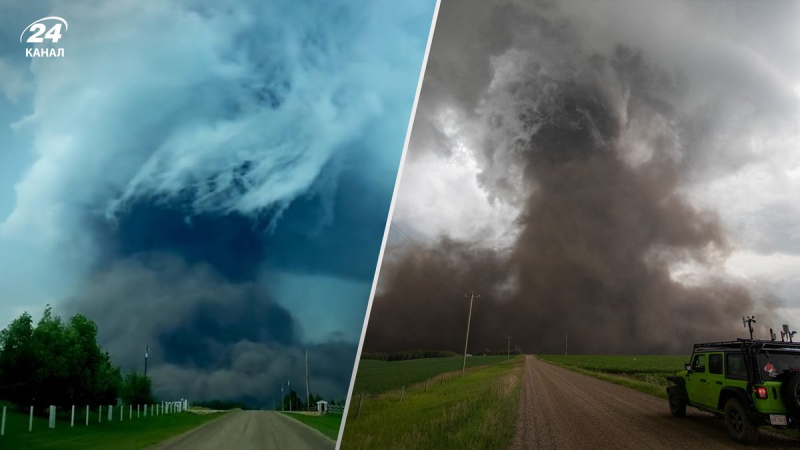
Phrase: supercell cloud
x=188 y=167
x=620 y=172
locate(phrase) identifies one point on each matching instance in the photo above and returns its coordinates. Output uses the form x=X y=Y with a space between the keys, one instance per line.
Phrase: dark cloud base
x=209 y=338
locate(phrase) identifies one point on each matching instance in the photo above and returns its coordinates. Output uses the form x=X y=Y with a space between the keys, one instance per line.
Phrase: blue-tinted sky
x=209 y=178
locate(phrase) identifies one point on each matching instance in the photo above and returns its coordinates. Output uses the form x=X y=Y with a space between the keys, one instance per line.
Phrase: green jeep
x=749 y=382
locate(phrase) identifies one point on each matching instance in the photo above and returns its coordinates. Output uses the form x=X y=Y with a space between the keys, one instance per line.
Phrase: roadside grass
x=327 y=424
x=380 y=376
x=477 y=410
x=645 y=373
x=128 y=434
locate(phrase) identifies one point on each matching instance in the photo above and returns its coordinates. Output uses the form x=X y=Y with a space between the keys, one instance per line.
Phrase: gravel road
x=560 y=409
x=250 y=430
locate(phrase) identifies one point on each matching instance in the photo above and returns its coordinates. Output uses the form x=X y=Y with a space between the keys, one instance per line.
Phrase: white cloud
x=442 y=196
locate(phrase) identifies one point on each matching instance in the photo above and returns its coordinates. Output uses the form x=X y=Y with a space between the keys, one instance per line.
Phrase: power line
x=471 y=294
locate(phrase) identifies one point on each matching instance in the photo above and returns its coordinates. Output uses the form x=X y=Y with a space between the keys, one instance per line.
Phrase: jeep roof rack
x=738 y=343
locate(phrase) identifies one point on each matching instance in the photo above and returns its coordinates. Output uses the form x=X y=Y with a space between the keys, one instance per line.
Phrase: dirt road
x=560 y=409
x=250 y=430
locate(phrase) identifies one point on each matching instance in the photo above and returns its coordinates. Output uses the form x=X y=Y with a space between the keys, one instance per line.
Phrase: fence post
x=87 y=415
x=52 y=421
x=130 y=412
x=121 y=412
x=3 y=423
x=99 y=413
x=360 y=401
x=110 y=413
x=30 y=421
x=138 y=413
x=72 y=417
x=145 y=410
x=402 y=392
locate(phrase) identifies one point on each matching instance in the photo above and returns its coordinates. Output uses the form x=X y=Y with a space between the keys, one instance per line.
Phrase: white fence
x=155 y=409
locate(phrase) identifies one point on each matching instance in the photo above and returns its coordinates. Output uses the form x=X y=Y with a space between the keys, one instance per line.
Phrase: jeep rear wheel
x=739 y=426
x=677 y=406
x=790 y=391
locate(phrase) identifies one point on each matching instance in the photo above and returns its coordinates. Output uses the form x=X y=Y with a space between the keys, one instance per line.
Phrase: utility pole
x=146 y=354
x=469 y=319
x=508 y=351
x=289 y=383
x=308 y=392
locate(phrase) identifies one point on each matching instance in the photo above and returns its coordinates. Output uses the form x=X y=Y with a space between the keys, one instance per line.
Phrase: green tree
x=136 y=389
x=51 y=376
x=109 y=382
x=17 y=360
x=55 y=363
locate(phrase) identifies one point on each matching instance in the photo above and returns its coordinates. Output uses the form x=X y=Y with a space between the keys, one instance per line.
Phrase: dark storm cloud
x=322 y=232
x=607 y=141
x=231 y=244
x=209 y=338
x=197 y=288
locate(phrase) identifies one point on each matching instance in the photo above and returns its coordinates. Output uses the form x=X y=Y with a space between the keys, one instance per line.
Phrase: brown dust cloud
x=599 y=232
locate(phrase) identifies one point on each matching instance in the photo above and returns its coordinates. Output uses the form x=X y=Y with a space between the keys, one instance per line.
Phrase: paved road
x=250 y=430
x=560 y=409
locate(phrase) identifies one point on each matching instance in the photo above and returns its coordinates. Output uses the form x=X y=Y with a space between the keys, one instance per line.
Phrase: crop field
x=646 y=373
x=375 y=377
x=119 y=435
x=475 y=410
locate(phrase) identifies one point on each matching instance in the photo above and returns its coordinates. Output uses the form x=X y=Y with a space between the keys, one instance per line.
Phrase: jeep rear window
x=715 y=364
x=734 y=366
x=777 y=364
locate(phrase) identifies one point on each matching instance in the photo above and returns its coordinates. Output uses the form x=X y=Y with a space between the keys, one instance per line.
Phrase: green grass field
x=646 y=373
x=126 y=435
x=380 y=376
x=474 y=411
x=328 y=424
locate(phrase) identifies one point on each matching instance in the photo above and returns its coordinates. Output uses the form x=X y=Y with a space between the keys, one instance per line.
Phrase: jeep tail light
x=761 y=392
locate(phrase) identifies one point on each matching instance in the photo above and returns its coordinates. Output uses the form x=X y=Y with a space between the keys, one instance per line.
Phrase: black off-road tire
x=677 y=406
x=790 y=391
x=739 y=426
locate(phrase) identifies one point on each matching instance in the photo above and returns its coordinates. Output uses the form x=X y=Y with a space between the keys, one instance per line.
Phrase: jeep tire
x=790 y=391
x=677 y=406
x=739 y=426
